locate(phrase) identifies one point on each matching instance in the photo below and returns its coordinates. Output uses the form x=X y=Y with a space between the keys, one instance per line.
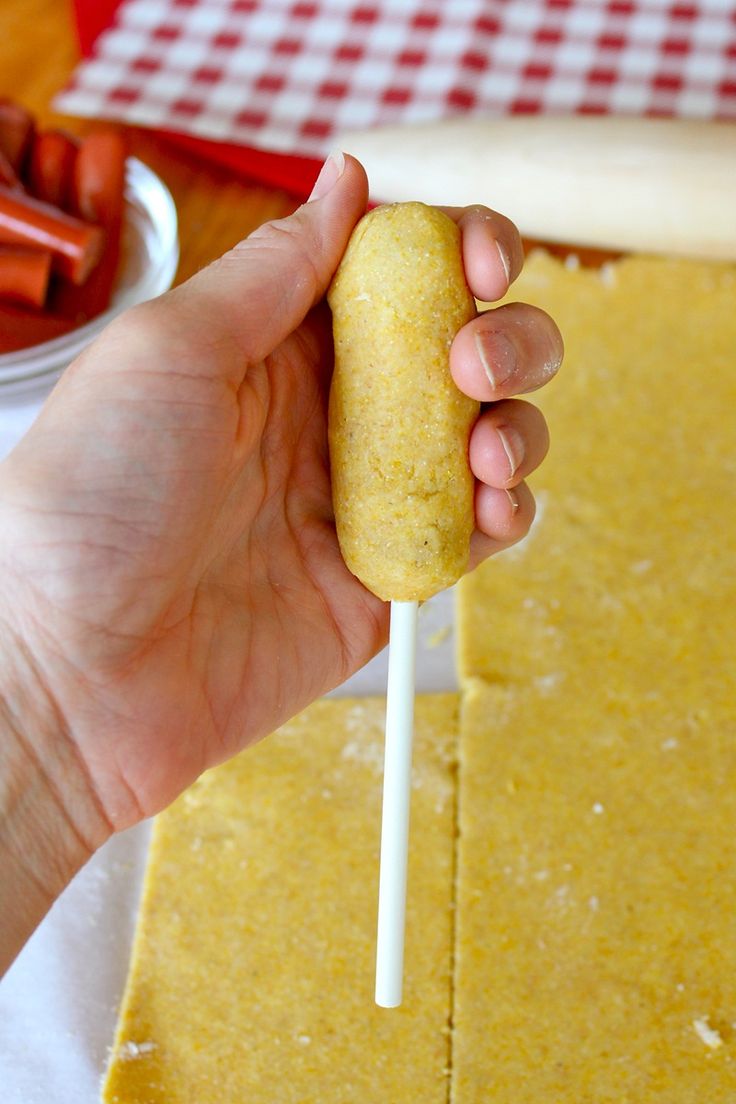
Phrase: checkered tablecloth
x=287 y=75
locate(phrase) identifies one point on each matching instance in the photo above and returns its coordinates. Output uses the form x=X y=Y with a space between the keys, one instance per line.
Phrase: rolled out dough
x=251 y=977
x=596 y=938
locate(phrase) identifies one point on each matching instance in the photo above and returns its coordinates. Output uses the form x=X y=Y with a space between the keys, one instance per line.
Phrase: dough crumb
x=607 y=275
x=439 y=637
x=706 y=1033
x=129 y=1050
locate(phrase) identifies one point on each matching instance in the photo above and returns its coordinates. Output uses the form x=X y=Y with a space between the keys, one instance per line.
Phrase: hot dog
x=60 y=200
x=51 y=167
x=74 y=245
x=98 y=196
x=8 y=174
x=24 y=275
x=16 y=133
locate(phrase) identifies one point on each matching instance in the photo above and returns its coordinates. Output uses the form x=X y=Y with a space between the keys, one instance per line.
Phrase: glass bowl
x=151 y=255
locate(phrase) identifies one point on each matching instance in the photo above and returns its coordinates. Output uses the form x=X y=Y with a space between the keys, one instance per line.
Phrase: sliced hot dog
x=8 y=175
x=61 y=211
x=75 y=246
x=16 y=133
x=99 y=177
x=51 y=167
x=99 y=197
x=24 y=275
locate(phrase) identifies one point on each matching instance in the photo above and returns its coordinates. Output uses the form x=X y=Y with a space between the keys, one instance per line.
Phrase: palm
x=196 y=596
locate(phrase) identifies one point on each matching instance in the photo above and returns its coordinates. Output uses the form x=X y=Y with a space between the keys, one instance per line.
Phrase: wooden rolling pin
x=650 y=185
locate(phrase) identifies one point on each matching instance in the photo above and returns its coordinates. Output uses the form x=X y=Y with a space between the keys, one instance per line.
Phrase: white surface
x=396 y=804
x=14 y=421
x=59 y=1001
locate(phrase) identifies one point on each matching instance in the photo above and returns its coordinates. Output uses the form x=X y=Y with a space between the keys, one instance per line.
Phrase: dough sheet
x=596 y=947
x=252 y=970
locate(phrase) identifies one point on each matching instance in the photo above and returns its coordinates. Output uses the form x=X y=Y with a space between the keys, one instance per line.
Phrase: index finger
x=493 y=254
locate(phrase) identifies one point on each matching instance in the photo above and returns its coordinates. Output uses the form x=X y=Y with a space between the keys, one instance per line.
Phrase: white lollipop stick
x=396 y=800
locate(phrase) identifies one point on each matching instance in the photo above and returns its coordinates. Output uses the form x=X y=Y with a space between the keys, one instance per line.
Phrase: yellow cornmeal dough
x=253 y=964
x=628 y=575
x=398 y=426
x=596 y=948
x=596 y=941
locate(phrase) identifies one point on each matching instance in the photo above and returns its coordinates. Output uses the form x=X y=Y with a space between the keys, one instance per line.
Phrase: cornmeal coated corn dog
x=398 y=426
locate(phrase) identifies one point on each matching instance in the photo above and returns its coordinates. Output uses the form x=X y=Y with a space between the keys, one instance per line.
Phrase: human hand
x=170 y=572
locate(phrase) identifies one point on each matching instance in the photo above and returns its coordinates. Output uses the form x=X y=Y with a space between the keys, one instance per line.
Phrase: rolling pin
x=643 y=184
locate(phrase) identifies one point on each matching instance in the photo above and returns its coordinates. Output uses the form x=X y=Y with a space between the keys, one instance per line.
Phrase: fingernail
x=513 y=446
x=504 y=261
x=497 y=355
x=329 y=175
x=514 y=501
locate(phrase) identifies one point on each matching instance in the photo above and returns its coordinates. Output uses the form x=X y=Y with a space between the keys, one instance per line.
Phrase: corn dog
x=398 y=425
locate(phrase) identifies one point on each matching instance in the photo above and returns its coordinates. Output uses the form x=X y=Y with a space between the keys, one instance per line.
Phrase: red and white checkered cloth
x=287 y=75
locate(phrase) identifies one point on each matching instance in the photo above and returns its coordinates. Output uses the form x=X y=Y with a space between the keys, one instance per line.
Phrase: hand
x=170 y=572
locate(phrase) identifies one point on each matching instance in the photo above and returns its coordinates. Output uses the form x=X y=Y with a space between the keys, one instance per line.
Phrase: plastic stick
x=396 y=802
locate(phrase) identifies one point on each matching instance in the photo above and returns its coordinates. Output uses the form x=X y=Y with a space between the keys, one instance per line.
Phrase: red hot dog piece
x=99 y=196
x=51 y=167
x=99 y=177
x=8 y=175
x=24 y=275
x=16 y=132
x=75 y=246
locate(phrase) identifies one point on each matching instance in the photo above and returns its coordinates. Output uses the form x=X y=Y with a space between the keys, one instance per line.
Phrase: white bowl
x=151 y=252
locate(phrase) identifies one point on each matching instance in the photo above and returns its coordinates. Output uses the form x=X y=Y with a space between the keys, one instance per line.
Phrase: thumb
x=261 y=290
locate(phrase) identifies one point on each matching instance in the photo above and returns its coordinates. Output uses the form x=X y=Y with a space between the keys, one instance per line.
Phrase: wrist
x=50 y=819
